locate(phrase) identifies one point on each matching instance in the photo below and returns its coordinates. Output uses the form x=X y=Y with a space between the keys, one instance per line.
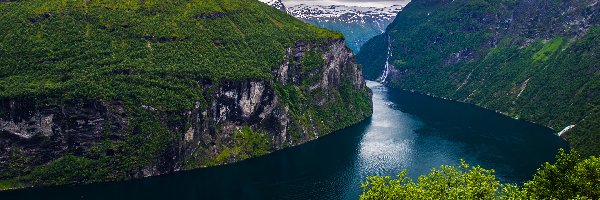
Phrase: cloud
x=364 y=3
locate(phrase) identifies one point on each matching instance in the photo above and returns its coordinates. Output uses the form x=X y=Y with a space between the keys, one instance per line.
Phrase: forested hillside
x=535 y=60
x=117 y=89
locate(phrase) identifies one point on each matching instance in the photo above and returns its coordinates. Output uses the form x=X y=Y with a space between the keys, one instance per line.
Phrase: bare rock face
x=258 y=105
x=250 y=99
x=44 y=134
x=38 y=125
x=203 y=135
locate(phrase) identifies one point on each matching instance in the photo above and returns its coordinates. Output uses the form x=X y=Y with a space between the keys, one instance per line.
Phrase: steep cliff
x=530 y=59
x=103 y=90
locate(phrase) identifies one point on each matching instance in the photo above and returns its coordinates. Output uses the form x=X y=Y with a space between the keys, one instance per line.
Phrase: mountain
x=96 y=91
x=276 y=4
x=346 y=14
x=357 y=24
x=535 y=60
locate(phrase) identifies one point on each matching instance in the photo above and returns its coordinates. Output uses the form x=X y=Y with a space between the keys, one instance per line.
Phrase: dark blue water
x=407 y=131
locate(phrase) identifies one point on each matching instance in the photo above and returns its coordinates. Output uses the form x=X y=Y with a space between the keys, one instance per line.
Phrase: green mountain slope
x=97 y=90
x=534 y=60
x=73 y=48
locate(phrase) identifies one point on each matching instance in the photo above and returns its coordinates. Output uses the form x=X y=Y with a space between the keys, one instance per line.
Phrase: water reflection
x=407 y=131
x=388 y=142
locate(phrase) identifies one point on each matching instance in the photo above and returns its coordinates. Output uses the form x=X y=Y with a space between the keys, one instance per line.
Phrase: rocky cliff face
x=529 y=59
x=239 y=120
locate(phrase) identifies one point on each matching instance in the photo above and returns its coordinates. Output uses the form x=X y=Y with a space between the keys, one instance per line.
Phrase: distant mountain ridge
x=345 y=14
x=275 y=3
x=358 y=24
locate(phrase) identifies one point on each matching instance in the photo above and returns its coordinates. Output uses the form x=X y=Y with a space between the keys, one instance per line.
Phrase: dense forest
x=108 y=90
x=146 y=51
x=532 y=60
x=571 y=177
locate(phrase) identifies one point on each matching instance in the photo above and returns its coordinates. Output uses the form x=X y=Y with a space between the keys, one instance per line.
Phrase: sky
x=364 y=3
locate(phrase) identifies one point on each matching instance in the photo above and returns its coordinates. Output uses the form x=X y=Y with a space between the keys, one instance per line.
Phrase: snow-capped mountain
x=275 y=3
x=358 y=24
x=344 y=14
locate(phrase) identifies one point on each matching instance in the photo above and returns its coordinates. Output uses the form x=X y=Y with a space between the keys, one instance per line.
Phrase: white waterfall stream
x=387 y=66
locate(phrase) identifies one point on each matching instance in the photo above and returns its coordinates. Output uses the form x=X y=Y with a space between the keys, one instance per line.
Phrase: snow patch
x=345 y=14
x=275 y=4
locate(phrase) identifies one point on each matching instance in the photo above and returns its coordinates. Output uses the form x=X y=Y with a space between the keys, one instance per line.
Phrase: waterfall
x=388 y=66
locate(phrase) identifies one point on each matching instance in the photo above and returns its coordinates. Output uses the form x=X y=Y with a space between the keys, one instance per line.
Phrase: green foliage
x=16 y=165
x=249 y=143
x=448 y=182
x=570 y=177
x=340 y=108
x=357 y=105
x=146 y=144
x=292 y=96
x=246 y=143
x=7 y=184
x=549 y=49
x=222 y=158
x=66 y=170
x=313 y=59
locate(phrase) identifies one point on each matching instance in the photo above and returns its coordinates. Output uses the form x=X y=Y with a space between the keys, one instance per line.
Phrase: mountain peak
x=344 y=14
x=275 y=3
x=357 y=23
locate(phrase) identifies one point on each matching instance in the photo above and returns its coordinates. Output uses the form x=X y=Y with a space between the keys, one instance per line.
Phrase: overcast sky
x=367 y=3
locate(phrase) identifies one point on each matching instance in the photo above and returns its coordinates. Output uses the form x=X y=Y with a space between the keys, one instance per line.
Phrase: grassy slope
x=552 y=81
